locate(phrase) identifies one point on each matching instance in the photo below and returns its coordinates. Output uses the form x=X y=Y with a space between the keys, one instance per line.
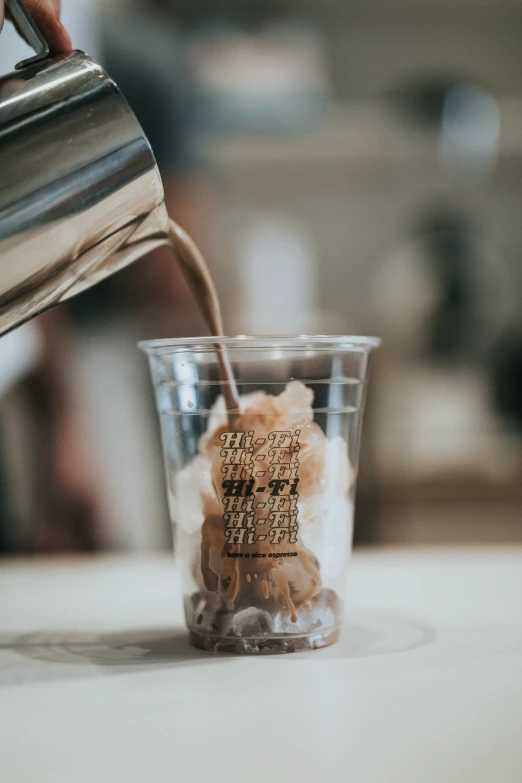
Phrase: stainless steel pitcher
x=80 y=192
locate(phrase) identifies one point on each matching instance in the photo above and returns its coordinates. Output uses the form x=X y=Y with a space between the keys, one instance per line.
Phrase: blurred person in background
x=35 y=385
x=141 y=50
x=121 y=503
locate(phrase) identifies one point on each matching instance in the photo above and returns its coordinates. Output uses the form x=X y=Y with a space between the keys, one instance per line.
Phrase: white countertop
x=98 y=683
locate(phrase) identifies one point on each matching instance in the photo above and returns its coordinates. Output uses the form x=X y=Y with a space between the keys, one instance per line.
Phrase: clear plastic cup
x=262 y=500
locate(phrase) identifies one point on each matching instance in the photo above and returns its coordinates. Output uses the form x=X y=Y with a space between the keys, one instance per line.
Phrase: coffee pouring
x=81 y=196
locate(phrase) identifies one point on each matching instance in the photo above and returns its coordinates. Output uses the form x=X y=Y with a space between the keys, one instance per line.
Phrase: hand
x=46 y=14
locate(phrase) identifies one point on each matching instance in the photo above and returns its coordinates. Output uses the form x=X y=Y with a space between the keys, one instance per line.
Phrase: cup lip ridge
x=263 y=342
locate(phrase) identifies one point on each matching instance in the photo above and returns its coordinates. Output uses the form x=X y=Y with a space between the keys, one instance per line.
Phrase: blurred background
x=369 y=151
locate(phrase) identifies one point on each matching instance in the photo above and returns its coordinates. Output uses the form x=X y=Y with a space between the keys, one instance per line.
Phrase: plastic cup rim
x=263 y=342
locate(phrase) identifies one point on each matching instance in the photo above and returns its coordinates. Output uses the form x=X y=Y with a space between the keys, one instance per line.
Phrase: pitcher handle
x=30 y=31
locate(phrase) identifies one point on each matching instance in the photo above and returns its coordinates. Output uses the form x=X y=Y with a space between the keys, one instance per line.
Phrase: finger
x=46 y=17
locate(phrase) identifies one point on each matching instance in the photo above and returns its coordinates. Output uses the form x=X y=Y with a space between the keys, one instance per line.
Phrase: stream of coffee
x=200 y=281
